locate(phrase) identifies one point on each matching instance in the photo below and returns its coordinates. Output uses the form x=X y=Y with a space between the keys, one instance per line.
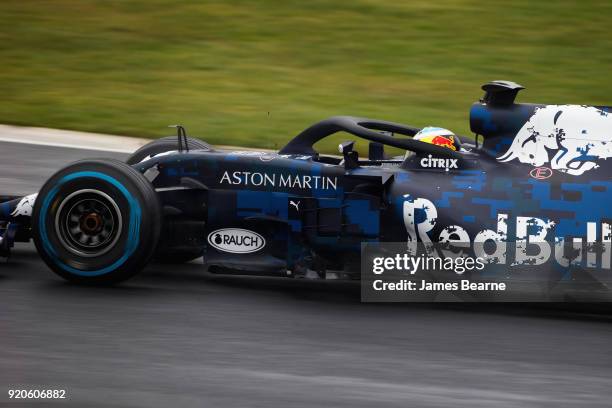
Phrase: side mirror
x=351 y=158
x=346 y=147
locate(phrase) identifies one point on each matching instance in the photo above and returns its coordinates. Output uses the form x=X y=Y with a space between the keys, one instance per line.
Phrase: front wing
x=15 y=213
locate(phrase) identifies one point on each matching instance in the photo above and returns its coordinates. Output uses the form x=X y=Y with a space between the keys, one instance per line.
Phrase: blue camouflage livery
x=534 y=173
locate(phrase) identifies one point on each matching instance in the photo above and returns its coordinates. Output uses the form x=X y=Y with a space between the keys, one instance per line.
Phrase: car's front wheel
x=96 y=221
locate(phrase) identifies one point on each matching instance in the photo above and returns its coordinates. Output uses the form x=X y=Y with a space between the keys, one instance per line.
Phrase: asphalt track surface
x=179 y=337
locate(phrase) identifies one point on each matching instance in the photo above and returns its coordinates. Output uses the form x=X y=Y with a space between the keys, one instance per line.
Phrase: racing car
x=532 y=173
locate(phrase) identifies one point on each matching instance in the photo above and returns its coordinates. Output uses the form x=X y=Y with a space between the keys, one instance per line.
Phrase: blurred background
x=256 y=72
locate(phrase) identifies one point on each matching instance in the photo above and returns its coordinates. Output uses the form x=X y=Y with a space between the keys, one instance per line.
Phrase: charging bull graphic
x=569 y=138
x=444 y=142
x=25 y=206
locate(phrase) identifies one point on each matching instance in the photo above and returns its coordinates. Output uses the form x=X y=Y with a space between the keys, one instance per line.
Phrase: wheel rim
x=88 y=223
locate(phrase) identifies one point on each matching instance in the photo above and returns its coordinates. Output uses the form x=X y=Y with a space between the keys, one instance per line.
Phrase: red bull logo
x=571 y=139
x=444 y=141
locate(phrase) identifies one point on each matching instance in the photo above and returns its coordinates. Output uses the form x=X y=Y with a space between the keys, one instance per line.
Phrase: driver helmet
x=439 y=137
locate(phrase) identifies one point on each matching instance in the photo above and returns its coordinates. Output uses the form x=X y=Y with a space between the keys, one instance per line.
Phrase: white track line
x=79 y=140
x=69 y=139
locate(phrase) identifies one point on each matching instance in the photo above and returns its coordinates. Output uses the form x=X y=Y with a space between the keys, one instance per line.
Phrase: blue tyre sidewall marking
x=133 y=229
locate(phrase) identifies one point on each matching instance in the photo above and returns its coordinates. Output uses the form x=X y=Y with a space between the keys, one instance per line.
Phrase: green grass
x=255 y=73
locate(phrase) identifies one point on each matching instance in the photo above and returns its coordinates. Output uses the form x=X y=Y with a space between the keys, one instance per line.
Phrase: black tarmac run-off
x=176 y=336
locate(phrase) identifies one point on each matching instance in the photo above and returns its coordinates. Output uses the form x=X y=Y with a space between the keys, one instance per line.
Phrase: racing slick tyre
x=163 y=145
x=96 y=222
